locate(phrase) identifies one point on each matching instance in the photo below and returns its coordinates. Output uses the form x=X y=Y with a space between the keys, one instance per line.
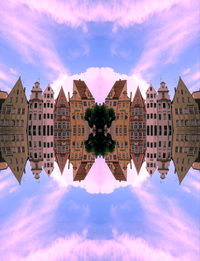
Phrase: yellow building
x=120 y=102
x=79 y=102
x=14 y=110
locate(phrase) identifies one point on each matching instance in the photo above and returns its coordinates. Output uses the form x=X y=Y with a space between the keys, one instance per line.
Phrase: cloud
x=171 y=235
x=77 y=13
x=99 y=180
x=186 y=71
x=122 y=247
x=166 y=218
x=31 y=219
x=100 y=81
x=24 y=31
x=13 y=71
x=167 y=39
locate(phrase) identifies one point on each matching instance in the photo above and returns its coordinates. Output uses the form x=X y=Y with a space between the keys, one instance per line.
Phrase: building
x=196 y=96
x=186 y=129
x=48 y=127
x=14 y=152
x=3 y=96
x=138 y=130
x=79 y=102
x=164 y=131
x=185 y=152
x=14 y=110
x=185 y=110
x=151 y=130
x=120 y=102
x=35 y=130
x=61 y=130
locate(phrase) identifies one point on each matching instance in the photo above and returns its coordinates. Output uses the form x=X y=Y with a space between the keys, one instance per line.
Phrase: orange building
x=120 y=102
x=79 y=102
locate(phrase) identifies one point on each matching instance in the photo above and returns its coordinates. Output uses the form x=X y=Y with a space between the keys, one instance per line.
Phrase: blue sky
x=52 y=41
x=99 y=41
x=56 y=219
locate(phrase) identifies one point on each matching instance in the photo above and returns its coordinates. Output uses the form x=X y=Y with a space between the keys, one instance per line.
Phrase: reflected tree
x=98 y=118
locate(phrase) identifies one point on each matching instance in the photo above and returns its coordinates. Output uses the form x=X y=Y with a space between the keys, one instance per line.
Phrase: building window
x=34 y=130
x=160 y=130
x=165 y=130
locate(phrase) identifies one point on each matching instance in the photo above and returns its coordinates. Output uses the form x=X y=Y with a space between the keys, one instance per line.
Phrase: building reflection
x=120 y=102
x=151 y=131
x=13 y=135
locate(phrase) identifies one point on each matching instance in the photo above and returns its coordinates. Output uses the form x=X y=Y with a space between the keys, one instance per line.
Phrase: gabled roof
x=61 y=164
x=181 y=85
x=83 y=89
x=139 y=96
x=82 y=171
x=117 y=89
x=50 y=89
x=17 y=85
x=138 y=164
x=117 y=171
x=149 y=89
x=61 y=95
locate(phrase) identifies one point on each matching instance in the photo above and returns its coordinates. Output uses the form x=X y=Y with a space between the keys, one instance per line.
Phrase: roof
x=61 y=164
x=118 y=172
x=3 y=95
x=61 y=94
x=139 y=95
x=116 y=89
x=153 y=90
x=81 y=172
x=196 y=95
x=138 y=164
x=82 y=88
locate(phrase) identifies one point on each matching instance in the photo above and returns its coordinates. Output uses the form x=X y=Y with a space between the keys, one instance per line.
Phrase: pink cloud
x=100 y=180
x=122 y=247
x=168 y=219
x=100 y=81
x=23 y=30
x=176 y=235
x=170 y=37
x=120 y=13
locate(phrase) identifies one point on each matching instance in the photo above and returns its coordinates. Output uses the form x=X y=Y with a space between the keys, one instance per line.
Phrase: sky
x=55 y=42
x=99 y=41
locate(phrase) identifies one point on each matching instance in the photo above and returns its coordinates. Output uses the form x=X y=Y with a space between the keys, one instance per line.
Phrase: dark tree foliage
x=100 y=116
x=100 y=144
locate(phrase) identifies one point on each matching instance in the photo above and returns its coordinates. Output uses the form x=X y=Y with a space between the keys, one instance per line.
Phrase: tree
x=100 y=116
x=89 y=117
x=100 y=144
